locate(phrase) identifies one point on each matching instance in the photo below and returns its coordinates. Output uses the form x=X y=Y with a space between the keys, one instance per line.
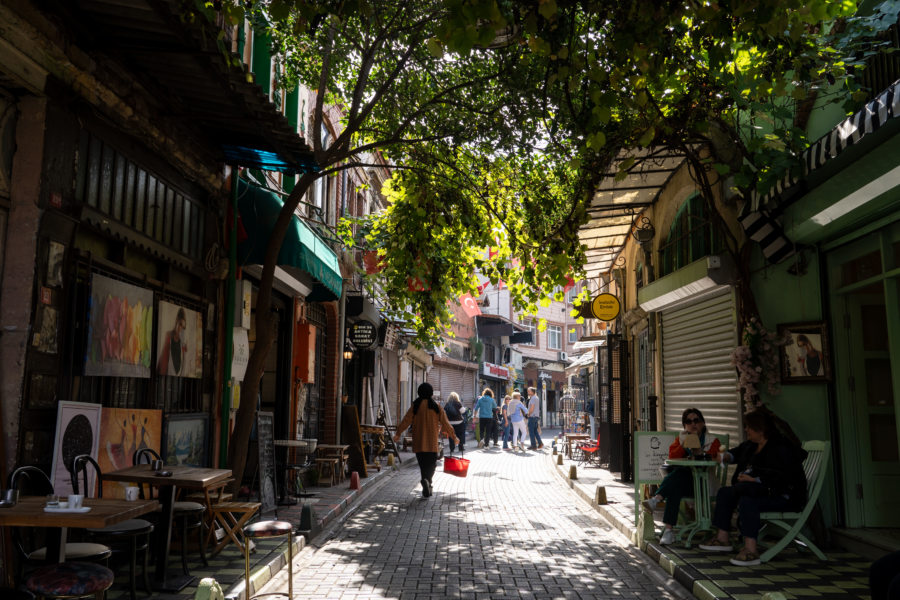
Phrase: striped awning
x=760 y=216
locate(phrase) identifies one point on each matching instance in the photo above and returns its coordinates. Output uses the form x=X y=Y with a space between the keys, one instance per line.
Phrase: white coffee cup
x=76 y=500
x=131 y=493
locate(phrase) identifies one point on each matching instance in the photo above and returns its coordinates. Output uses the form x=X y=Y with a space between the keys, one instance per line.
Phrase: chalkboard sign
x=265 y=422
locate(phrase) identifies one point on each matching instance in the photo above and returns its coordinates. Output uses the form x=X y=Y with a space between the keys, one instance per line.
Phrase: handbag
x=458 y=467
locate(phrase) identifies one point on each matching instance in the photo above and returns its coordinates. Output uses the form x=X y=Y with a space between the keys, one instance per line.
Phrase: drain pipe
x=339 y=388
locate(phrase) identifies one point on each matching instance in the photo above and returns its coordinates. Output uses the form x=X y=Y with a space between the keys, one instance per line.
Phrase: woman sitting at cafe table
x=679 y=482
x=769 y=477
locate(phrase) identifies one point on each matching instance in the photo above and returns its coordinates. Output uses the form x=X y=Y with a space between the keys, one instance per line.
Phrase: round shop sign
x=363 y=334
x=605 y=307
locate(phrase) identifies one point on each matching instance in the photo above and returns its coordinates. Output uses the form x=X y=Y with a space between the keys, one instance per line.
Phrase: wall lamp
x=644 y=233
x=348 y=351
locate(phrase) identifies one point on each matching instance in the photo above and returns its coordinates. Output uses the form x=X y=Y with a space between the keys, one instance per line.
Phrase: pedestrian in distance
x=534 y=420
x=428 y=420
x=456 y=415
x=484 y=409
x=507 y=426
x=769 y=477
x=679 y=482
x=517 y=417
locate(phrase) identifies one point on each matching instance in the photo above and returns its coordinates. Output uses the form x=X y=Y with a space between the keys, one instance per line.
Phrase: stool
x=70 y=580
x=190 y=515
x=329 y=467
x=224 y=513
x=265 y=529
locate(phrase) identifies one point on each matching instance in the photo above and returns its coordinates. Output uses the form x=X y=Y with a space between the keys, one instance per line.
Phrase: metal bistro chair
x=188 y=515
x=135 y=531
x=31 y=481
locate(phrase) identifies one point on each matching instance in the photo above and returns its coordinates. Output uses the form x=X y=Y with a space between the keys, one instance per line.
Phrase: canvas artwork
x=121 y=329
x=186 y=440
x=77 y=432
x=179 y=341
x=44 y=336
x=56 y=254
x=123 y=431
x=805 y=358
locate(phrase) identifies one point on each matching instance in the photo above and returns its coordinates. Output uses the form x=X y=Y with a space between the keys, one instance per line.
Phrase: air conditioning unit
x=563 y=356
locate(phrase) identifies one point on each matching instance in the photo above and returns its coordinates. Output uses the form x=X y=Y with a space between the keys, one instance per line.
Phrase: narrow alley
x=511 y=529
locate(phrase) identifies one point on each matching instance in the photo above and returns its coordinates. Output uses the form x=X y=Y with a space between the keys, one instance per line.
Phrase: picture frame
x=806 y=357
x=186 y=440
x=77 y=432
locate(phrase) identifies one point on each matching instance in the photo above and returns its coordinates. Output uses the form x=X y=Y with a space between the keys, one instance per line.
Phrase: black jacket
x=779 y=467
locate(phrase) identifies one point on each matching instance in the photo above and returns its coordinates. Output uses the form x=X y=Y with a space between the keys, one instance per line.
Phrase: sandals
x=714 y=545
x=745 y=558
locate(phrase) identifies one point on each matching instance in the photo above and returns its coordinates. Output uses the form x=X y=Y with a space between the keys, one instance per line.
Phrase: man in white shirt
x=534 y=419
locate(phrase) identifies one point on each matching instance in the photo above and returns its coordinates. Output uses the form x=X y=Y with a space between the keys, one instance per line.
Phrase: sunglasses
x=692 y=421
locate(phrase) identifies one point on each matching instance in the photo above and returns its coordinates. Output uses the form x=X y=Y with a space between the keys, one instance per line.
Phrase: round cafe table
x=700 y=474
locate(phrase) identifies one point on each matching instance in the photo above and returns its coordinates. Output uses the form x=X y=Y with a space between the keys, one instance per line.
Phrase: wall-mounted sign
x=495 y=371
x=605 y=307
x=363 y=334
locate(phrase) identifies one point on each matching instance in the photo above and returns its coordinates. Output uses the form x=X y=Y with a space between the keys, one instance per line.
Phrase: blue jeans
x=507 y=434
x=533 y=434
x=749 y=500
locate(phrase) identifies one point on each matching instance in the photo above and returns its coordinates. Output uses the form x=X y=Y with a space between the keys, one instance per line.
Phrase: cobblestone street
x=511 y=529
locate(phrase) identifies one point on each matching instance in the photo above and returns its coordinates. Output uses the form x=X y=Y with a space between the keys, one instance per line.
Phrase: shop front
x=495 y=377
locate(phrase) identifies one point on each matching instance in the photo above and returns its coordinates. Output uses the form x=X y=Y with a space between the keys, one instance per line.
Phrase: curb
x=266 y=572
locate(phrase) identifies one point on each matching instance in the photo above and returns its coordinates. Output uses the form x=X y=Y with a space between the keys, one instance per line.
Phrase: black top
x=779 y=467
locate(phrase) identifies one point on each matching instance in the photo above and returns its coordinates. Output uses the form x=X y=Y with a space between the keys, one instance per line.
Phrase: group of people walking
x=507 y=421
x=428 y=420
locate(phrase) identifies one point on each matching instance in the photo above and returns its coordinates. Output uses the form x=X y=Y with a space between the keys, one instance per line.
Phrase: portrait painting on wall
x=124 y=431
x=186 y=440
x=806 y=356
x=179 y=341
x=56 y=254
x=77 y=432
x=120 y=329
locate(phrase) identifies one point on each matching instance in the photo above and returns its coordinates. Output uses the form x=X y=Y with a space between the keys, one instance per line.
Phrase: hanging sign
x=363 y=334
x=605 y=307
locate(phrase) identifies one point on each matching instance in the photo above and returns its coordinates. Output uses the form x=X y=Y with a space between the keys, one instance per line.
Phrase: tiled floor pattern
x=794 y=574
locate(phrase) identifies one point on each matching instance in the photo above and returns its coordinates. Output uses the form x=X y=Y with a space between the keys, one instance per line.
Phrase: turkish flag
x=492 y=252
x=570 y=283
x=415 y=284
x=372 y=263
x=469 y=306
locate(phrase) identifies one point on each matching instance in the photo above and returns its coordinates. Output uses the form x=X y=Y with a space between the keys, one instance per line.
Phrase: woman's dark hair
x=761 y=420
x=691 y=411
x=425 y=393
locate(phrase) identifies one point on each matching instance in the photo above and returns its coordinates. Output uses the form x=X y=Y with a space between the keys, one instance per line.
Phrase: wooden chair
x=189 y=515
x=224 y=514
x=133 y=534
x=791 y=523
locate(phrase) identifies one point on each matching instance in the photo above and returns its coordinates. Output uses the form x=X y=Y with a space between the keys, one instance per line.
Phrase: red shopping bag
x=456 y=466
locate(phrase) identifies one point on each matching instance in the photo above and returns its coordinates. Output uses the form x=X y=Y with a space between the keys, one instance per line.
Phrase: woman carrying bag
x=427 y=419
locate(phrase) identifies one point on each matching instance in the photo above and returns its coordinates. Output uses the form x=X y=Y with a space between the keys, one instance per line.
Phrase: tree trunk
x=265 y=337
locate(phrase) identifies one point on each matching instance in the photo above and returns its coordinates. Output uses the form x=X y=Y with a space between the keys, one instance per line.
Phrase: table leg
x=162 y=580
x=702 y=519
x=56 y=545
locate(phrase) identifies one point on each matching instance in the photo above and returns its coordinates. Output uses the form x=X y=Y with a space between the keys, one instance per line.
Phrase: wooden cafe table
x=192 y=478
x=29 y=512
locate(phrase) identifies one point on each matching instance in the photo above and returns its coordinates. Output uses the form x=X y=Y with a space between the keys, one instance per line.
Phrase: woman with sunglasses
x=679 y=482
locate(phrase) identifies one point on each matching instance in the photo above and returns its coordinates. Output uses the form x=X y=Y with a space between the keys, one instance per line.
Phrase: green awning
x=302 y=249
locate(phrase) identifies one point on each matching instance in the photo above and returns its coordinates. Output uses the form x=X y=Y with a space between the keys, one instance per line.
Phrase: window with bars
x=692 y=236
x=118 y=187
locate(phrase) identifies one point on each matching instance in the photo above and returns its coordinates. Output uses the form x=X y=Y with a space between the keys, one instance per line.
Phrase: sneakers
x=714 y=545
x=480 y=444
x=651 y=503
x=668 y=537
x=426 y=488
x=745 y=558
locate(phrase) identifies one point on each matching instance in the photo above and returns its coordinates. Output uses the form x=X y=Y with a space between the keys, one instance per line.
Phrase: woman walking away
x=428 y=419
x=516 y=412
x=679 y=483
x=456 y=416
x=484 y=408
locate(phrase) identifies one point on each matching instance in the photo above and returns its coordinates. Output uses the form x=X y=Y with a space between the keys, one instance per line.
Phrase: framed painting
x=123 y=431
x=806 y=357
x=179 y=341
x=119 y=334
x=77 y=432
x=186 y=440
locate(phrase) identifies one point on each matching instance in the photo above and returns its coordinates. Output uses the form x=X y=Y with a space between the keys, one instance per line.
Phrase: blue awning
x=302 y=249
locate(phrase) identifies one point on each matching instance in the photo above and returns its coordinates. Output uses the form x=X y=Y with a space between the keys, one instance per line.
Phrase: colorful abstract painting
x=121 y=329
x=77 y=432
x=179 y=341
x=124 y=431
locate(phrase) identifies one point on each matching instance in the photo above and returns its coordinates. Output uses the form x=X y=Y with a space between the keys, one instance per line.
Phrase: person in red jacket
x=679 y=482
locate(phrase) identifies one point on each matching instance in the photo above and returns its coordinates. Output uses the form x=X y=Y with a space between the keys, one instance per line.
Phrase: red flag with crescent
x=469 y=306
x=570 y=283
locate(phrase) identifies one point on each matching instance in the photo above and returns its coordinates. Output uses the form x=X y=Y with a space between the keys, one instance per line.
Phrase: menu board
x=265 y=423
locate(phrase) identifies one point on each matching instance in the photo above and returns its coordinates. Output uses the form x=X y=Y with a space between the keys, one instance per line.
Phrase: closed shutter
x=697 y=341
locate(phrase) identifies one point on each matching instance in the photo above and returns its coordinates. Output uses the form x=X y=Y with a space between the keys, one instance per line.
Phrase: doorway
x=864 y=278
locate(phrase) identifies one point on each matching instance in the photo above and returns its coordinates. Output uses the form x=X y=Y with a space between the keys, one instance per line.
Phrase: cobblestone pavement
x=508 y=530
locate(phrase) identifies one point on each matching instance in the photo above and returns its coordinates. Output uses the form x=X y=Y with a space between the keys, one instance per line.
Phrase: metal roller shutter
x=697 y=341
